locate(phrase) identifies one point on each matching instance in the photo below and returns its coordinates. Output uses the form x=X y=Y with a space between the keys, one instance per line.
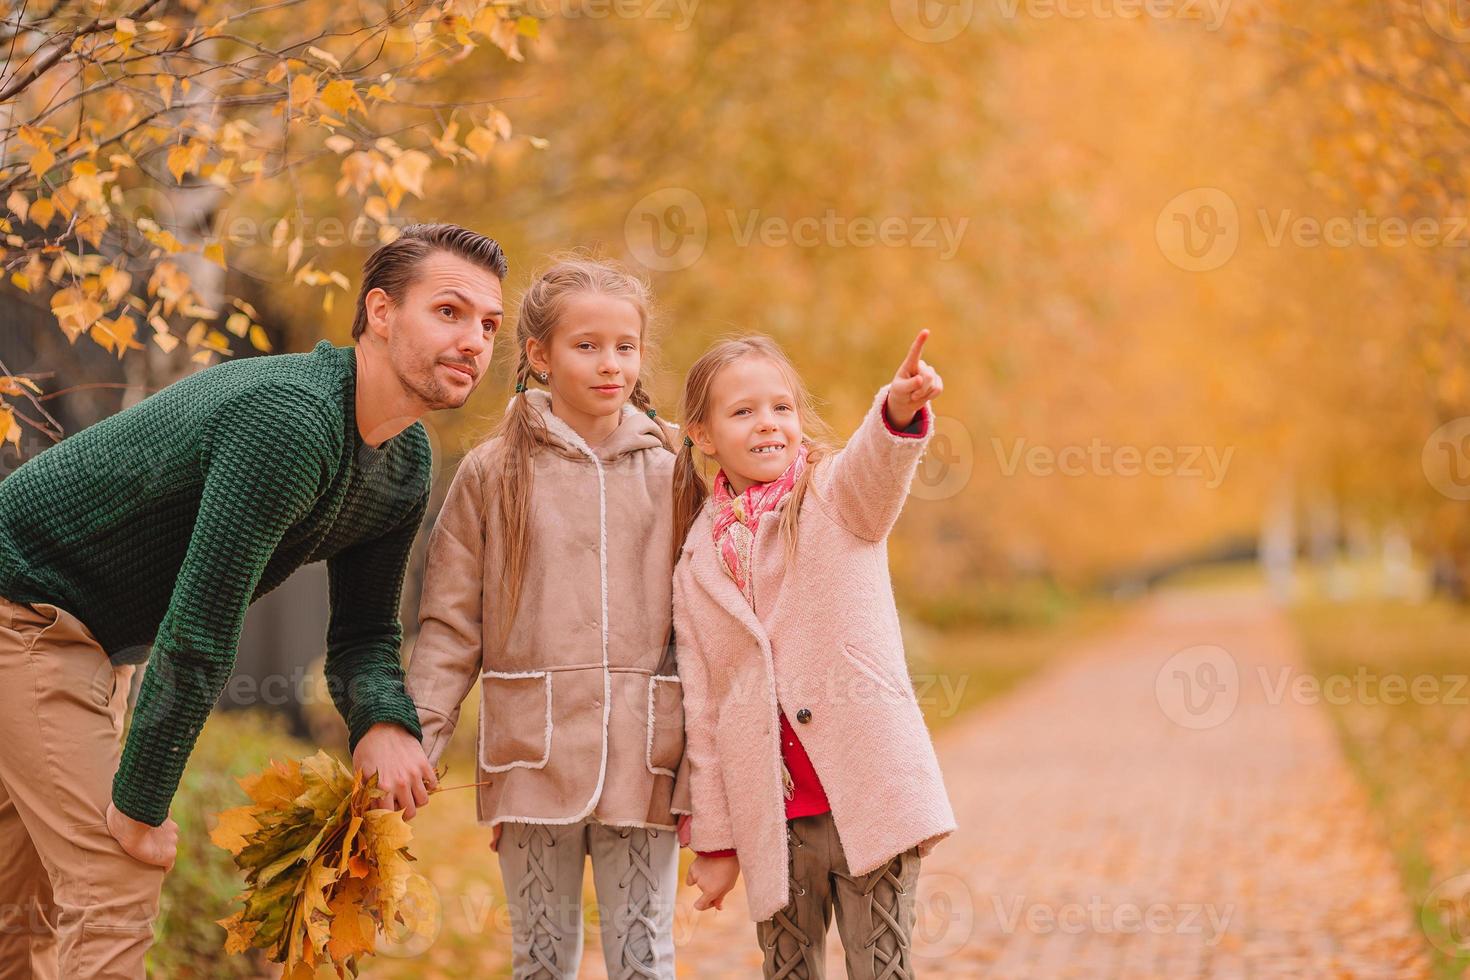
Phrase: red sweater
x=808 y=798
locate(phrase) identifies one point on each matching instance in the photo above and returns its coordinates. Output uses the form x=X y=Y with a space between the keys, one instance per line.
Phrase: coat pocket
x=515 y=720
x=665 y=724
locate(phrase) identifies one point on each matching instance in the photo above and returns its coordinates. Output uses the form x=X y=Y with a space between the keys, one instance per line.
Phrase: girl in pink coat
x=810 y=769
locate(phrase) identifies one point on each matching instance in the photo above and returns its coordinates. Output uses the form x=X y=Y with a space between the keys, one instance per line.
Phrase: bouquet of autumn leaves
x=325 y=867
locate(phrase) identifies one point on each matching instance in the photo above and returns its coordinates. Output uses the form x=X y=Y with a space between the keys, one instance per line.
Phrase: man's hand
x=495 y=837
x=914 y=386
x=151 y=845
x=714 y=877
x=404 y=773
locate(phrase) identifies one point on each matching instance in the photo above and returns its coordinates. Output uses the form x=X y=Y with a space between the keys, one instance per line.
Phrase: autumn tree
x=151 y=150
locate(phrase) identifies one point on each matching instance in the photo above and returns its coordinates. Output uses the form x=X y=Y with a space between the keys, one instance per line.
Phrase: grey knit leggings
x=635 y=873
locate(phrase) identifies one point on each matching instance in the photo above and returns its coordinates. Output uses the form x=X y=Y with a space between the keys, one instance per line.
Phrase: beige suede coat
x=581 y=712
x=823 y=645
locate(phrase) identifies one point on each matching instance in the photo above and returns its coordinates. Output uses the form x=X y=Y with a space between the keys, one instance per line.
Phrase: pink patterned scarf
x=737 y=518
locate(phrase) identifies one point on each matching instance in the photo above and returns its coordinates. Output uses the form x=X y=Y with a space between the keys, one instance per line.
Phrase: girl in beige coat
x=548 y=578
x=811 y=770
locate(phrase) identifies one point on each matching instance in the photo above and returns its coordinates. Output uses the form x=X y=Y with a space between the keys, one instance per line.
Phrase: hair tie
x=651 y=413
x=520 y=387
x=688 y=442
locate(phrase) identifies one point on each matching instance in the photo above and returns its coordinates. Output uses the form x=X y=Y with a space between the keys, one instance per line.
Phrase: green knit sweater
x=159 y=525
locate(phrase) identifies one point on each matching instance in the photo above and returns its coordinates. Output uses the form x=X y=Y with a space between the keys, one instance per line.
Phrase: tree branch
x=63 y=47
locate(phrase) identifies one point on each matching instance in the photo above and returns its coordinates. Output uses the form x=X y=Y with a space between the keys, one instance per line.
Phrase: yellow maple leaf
x=41 y=161
x=408 y=171
x=352 y=929
x=42 y=211
x=303 y=90
x=340 y=96
x=278 y=785
x=233 y=827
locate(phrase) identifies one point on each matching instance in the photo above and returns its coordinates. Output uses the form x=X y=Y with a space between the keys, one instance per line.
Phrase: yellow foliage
x=325 y=868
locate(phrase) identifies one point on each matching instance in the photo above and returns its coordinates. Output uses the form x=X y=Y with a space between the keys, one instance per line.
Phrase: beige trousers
x=875 y=911
x=72 y=903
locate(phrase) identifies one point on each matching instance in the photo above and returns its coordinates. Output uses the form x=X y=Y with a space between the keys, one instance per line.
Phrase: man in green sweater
x=147 y=535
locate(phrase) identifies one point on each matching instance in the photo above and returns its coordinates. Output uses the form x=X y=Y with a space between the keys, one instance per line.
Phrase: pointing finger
x=911 y=362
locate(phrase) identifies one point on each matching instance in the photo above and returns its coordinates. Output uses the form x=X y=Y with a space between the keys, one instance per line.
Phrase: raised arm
x=265 y=461
x=448 y=654
x=863 y=486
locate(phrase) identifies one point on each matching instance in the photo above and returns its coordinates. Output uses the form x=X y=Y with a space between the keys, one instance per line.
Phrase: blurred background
x=1196 y=274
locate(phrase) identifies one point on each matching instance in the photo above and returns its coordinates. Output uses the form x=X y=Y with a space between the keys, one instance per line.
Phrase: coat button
x=803 y=715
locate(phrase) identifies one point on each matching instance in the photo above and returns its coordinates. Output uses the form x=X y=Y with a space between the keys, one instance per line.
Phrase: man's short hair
x=394 y=267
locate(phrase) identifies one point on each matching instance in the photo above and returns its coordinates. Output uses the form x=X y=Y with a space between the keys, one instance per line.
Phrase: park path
x=1156 y=804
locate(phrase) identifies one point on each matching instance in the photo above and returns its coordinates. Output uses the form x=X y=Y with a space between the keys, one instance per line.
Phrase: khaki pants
x=875 y=911
x=72 y=903
x=636 y=875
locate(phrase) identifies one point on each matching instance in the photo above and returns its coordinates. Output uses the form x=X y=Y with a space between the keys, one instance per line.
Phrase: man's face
x=441 y=337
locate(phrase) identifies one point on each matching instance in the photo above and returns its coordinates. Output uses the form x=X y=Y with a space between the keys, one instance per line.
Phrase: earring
x=544 y=376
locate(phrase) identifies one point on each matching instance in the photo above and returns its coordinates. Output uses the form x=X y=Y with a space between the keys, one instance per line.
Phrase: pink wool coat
x=580 y=711
x=823 y=643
